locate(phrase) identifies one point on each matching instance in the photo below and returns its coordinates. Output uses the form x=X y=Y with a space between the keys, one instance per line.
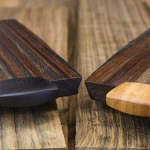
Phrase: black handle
x=25 y=92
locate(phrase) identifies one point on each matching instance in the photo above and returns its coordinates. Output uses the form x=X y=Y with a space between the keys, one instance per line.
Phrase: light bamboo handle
x=131 y=98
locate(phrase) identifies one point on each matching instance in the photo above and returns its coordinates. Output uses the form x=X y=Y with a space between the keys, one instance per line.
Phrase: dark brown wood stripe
x=30 y=45
x=100 y=74
x=11 y=61
x=127 y=73
x=27 y=58
x=5 y=73
x=13 y=49
x=42 y=46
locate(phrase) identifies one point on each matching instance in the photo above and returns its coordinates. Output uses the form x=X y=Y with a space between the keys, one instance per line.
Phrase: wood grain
x=147 y=3
x=57 y=24
x=104 y=27
x=66 y=25
x=130 y=64
x=39 y=127
x=130 y=98
x=30 y=56
x=33 y=3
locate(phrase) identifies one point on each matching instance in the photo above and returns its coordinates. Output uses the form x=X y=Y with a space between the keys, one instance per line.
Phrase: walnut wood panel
x=104 y=27
x=37 y=127
x=130 y=64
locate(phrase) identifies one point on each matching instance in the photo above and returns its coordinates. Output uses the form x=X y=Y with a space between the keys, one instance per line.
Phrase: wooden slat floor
x=87 y=34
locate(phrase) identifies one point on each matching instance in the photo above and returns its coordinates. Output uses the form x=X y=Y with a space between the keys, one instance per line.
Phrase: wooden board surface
x=130 y=64
x=103 y=28
x=39 y=127
x=62 y=45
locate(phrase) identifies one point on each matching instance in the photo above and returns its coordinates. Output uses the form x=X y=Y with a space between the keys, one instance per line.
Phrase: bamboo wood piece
x=131 y=98
x=104 y=27
x=130 y=64
x=39 y=127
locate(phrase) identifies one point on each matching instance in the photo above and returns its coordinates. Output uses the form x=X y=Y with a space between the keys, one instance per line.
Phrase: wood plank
x=66 y=111
x=103 y=28
x=39 y=130
x=65 y=104
x=130 y=64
